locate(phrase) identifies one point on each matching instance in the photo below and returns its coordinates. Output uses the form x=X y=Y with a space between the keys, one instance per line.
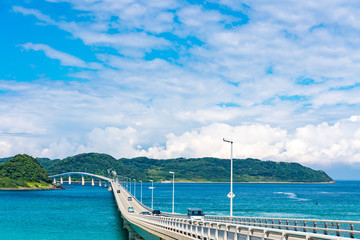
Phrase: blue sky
x=171 y=78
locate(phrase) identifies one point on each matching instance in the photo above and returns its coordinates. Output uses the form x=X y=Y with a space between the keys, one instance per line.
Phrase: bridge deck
x=178 y=226
x=147 y=223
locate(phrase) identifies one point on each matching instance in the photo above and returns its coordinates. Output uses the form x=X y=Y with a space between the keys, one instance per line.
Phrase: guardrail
x=224 y=231
x=326 y=227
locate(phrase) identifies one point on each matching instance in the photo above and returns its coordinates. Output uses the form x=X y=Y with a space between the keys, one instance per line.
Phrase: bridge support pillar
x=69 y=179
x=54 y=180
x=82 y=180
x=92 y=182
x=125 y=224
x=105 y=184
x=132 y=234
x=61 y=180
x=99 y=183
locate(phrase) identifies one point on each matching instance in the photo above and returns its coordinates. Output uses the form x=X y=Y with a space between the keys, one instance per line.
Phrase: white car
x=196 y=214
x=130 y=209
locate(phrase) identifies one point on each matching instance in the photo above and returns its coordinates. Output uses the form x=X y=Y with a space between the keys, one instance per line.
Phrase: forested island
x=187 y=170
x=23 y=172
x=218 y=170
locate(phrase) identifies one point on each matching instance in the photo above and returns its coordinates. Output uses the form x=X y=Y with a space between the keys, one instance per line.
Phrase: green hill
x=96 y=163
x=23 y=171
x=218 y=170
x=187 y=170
x=2 y=160
x=46 y=162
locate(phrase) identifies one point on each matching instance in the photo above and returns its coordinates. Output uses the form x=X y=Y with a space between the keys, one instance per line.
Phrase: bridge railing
x=326 y=227
x=224 y=230
x=217 y=227
x=335 y=228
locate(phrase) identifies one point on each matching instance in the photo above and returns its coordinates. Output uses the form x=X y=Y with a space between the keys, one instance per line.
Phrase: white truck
x=196 y=214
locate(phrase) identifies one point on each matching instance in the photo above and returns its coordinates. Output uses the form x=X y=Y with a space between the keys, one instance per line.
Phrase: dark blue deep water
x=85 y=212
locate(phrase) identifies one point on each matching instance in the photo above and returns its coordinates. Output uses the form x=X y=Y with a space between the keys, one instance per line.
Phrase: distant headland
x=187 y=170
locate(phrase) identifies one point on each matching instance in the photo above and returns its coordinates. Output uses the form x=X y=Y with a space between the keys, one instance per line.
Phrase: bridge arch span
x=82 y=174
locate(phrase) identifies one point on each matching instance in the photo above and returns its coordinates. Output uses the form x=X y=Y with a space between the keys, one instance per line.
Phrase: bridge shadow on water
x=122 y=233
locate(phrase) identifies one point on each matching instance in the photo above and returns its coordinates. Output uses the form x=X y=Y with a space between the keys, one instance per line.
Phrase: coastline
x=51 y=187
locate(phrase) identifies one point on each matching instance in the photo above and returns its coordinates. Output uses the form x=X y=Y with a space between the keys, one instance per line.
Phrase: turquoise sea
x=86 y=212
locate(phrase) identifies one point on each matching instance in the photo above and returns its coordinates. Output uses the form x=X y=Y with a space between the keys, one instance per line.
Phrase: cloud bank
x=321 y=144
x=172 y=78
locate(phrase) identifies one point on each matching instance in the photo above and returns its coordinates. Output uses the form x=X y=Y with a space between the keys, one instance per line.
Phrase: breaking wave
x=291 y=195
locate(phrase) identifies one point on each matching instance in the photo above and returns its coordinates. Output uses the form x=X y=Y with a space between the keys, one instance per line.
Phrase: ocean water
x=79 y=212
x=339 y=201
x=86 y=212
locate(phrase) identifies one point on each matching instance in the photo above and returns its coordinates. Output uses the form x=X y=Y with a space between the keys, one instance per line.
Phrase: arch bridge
x=100 y=178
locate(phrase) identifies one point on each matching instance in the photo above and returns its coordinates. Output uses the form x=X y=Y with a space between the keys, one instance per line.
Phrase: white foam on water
x=291 y=195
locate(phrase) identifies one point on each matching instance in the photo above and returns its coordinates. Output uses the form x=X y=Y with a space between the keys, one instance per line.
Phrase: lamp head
x=227 y=140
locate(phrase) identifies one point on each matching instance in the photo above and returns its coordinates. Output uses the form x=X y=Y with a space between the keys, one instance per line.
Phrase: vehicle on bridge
x=118 y=191
x=156 y=212
x=130 y=209
x=196 y=214
x=129 y=198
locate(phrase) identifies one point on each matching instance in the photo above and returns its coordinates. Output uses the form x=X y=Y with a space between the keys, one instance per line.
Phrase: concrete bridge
x=179 y=226
x=101 y=179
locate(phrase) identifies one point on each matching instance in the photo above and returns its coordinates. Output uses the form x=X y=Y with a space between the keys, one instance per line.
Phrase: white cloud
x=138 y=40
x=176 y=77
x=338 y=97
x=61 y=149
x=64 y=58
x=96 y=33
x=321 y=144
x=111 y=140
x=34 y=12
x=204 y=116
x=194 y=16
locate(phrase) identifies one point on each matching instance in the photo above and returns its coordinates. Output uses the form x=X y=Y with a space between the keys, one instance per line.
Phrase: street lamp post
x=135 y=188
x=173 y=197
x=140 y=191
x=231 y=195
x=130 y=184
x=152 y=194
